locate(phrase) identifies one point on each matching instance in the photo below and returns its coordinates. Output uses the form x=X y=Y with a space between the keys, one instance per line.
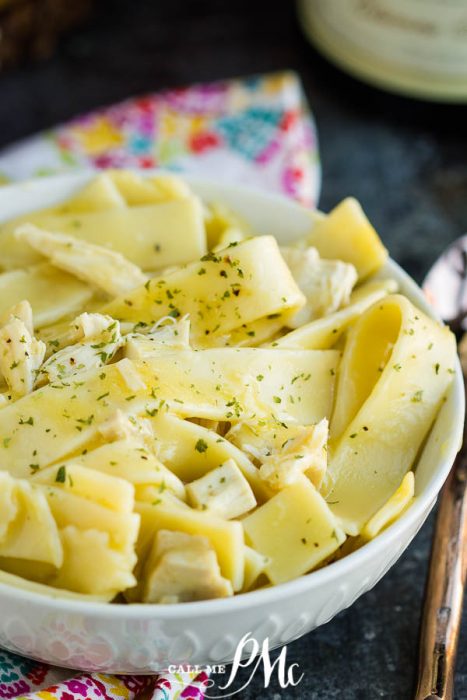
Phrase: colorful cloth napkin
x=255 y=131
x=23 y=679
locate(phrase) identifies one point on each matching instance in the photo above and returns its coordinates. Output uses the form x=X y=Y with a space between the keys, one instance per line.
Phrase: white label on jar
x=429 y=36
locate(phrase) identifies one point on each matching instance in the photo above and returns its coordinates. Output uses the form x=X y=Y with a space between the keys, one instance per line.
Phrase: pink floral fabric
x=25 y=679
x=256 y=131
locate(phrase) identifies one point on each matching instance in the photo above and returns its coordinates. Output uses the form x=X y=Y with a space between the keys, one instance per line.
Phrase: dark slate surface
x=405 y=161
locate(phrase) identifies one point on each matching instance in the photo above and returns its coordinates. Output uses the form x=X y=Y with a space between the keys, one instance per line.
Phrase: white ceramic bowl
x=147 y=638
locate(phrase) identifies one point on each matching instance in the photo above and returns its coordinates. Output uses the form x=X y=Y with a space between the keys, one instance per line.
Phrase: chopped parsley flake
x=210 y=257
x=201 y=445
x=61 y=475
x=86 y=421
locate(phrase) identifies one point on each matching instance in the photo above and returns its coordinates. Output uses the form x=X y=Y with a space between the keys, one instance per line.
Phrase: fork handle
x=444 y=593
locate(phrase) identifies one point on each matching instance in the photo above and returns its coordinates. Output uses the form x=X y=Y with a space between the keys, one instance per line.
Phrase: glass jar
x=414 y=47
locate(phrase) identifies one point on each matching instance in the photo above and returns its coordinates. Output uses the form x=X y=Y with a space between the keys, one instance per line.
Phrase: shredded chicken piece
x=183 y=568
x=147 y=341
x=326 y=284
x=105 y=269
x=23 y=311
x=90 y=325
x=120 y=426
x=84 y=327
x=223 y=491
x=305 y=453
x=93 y=353
x=21 y=355
x=284 y=451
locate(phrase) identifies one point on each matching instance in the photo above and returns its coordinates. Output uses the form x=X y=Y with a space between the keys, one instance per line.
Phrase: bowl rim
x=417 y=512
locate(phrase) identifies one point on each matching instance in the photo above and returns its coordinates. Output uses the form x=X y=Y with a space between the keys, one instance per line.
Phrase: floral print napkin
x=256 y=131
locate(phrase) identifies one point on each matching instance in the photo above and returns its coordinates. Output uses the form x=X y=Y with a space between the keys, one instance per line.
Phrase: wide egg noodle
x=395 y=371
x=170 y=233
x=39 y=284
x=219 y=384
x=221 y=292
x=324 y=332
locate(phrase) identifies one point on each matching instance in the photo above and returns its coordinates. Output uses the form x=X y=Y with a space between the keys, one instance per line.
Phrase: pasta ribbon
x=169 y=233
x=130 y=459
x=221 y=292
x=23 y=584
x=255 y=564
x=392 y=509
x=190 y=451
x=156 y=189
x=62 y=418
x=346 y=234
x=323 y=333
x=396 y=368
x=31 y=532
x=98 y=195
x=74 y=529
x=58 y=420
x=233 y=384
x=39 y=285
x=295 y=529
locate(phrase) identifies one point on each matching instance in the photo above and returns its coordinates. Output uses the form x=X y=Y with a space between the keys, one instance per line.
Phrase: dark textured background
x=405 y=161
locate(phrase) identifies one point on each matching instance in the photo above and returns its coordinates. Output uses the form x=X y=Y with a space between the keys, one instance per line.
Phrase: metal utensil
x=446 y=288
